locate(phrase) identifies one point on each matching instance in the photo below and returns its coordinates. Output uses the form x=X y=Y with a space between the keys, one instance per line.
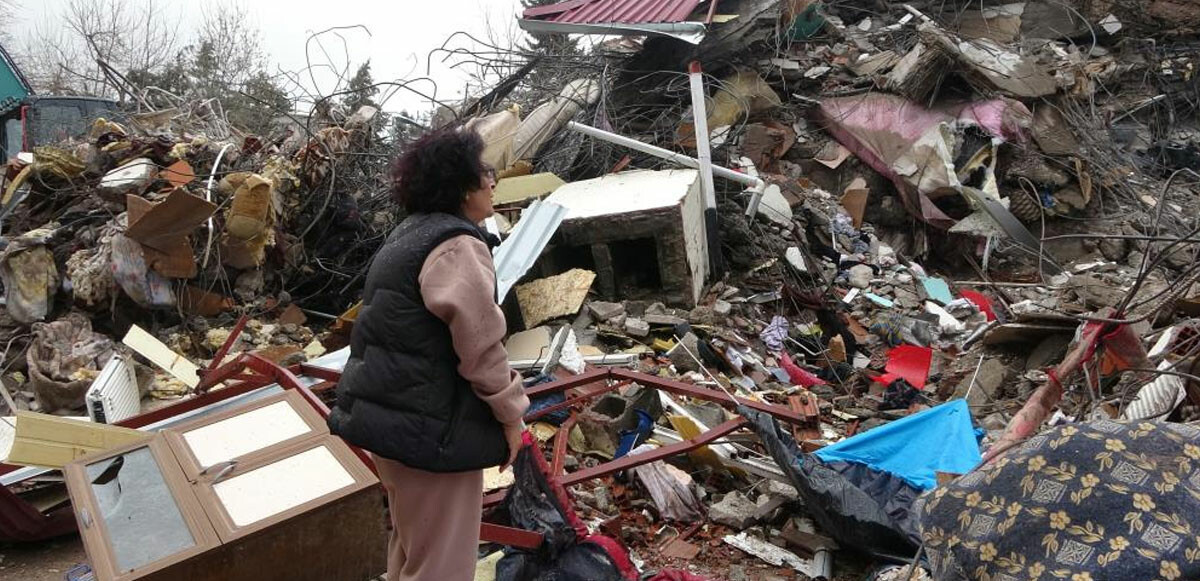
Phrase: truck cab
x=43 y=120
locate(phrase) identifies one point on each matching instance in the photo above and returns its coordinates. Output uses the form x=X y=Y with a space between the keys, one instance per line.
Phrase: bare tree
x=8 y=9
x=85 y=49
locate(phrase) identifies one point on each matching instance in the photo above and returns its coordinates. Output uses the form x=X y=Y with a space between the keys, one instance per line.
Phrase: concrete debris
x=929 y=206
x=734 y=510
x=605 y=312
x=637 y=328
x=132 y=178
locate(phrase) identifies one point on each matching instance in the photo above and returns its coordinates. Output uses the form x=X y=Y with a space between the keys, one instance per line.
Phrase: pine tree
x=361 y=91
x=548 y=43
x=554 y=46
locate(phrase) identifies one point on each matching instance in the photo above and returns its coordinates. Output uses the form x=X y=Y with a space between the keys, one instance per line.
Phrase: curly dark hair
x=436 y=171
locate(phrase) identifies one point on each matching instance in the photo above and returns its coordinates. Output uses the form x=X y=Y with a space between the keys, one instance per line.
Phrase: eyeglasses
x=489 y=172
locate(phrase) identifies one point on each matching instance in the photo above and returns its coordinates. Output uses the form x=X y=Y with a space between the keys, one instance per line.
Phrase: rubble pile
x=953 y=196
x=150 y=222
x=932 y=229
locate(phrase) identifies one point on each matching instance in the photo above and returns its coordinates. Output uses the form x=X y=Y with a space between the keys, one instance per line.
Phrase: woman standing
x=428 y=390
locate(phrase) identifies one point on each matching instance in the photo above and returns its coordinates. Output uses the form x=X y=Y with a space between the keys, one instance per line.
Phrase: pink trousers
x=435 y=522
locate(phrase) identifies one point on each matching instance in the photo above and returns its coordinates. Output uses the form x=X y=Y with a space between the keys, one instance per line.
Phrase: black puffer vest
x=400 y=395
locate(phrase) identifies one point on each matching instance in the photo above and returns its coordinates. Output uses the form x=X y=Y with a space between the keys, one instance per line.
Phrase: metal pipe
x=212 y=176
x=666 y=154
x=700 y=126
x=704 y=157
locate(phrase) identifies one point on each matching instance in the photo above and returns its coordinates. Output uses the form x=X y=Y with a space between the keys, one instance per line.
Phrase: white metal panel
x=114 y=395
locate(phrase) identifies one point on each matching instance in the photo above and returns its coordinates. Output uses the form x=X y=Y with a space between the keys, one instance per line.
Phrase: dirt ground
x=44 y=561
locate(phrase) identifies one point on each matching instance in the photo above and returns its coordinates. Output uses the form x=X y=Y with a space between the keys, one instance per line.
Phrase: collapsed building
x=868 y=287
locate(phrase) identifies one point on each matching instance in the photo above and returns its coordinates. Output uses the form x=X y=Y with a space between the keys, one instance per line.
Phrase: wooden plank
x=158 y=353
x=51 y=441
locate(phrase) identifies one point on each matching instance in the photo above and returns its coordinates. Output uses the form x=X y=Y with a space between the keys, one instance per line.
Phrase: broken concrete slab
x=553 y=297
x=860 y=276
x=533 y=344
x=987 y=383
x=637 y=327
x=663 y=320
x=604 y=311
x=775 y=207
x=734 y=511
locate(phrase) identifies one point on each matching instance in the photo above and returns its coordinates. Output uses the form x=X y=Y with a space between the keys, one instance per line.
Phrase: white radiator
x=114 y=395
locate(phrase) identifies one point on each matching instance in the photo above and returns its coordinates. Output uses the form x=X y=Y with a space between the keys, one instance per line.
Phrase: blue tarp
x=941 y=439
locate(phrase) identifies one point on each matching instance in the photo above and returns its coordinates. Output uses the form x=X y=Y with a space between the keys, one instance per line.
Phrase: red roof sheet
x=614 y=11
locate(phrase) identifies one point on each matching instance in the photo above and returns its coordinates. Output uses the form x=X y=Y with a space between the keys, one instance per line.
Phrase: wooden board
x=159 y=354
x=52 y=441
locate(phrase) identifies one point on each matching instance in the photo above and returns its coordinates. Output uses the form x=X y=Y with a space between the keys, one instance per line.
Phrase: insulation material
x=30 y=276
x=498 y=131
x=553 y=297
x=91 y=274
x=545 y=121
x=248 y=223
x=743 y=93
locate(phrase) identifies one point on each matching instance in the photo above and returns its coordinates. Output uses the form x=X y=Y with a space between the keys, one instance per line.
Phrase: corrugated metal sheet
x=615 y=11
x=529 y=237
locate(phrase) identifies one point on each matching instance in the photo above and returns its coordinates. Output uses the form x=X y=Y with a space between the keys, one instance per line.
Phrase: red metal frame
x=18 y=521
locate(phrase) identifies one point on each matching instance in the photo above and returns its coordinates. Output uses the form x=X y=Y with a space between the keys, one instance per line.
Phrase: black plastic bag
x=863 y=509
x=533 y=503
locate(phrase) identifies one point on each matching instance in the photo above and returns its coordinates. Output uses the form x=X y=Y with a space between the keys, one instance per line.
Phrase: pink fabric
x=797 y=374
x=458 y=283
x=880 y=128
x=435 y=522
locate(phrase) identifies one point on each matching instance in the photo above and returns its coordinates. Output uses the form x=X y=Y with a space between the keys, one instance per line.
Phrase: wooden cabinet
x=259 y=492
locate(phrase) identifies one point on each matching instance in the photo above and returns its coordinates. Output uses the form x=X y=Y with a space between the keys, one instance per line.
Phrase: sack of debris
x=1095 y=500
x=536 y=502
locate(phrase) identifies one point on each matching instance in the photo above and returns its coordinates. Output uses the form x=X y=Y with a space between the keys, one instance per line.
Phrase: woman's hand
x=513 y=433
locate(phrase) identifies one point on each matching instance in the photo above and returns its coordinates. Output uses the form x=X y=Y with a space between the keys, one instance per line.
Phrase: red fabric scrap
x=910 y=363
x=981 y=301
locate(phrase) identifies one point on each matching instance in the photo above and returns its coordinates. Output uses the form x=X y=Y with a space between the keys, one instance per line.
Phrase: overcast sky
x=401 y=34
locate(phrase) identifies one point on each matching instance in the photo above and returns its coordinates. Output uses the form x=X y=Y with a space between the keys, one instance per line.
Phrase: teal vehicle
x=28 y=120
